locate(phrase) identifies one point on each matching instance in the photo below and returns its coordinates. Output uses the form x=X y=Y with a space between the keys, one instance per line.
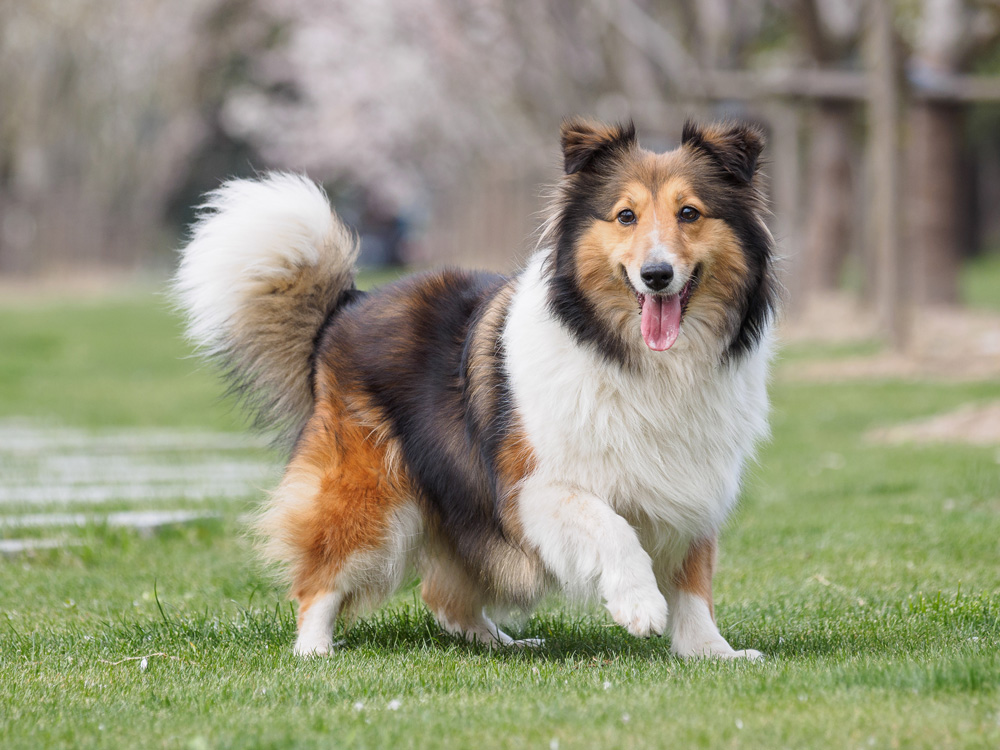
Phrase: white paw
x=528 y=643
x=748 y=653
x=492 y=636
x=489 y=634
x=641 y=613
x=305 y=648
x=720 y=650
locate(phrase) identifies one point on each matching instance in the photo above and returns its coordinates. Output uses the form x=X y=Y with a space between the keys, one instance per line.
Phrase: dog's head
x=645 y=242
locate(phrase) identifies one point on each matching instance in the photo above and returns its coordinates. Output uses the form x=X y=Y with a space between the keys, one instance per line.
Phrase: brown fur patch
x=723 y=277
x=697 y=570
x=515 y=459
x=601 y=252
x=519 y=575
x=337 y=499
x=483 y=371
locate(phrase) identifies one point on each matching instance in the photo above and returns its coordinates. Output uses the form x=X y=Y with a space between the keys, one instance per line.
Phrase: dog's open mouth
x=661 y=314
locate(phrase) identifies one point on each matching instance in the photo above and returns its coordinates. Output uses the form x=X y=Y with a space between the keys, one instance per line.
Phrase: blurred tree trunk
x=892 y=283
x=830 y=206
x=828 y=32
x=933 y=200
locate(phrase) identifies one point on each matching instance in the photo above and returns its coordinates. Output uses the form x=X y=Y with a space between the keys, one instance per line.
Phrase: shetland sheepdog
x=582 y=424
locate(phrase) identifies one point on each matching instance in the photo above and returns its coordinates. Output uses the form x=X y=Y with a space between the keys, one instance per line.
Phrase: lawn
x=979 y=281
x=869 y=575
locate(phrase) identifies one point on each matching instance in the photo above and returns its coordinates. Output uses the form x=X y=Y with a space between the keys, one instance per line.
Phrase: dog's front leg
x=688 y=588
x=580 y=538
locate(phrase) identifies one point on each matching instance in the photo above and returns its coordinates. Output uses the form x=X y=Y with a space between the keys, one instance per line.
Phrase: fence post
x=891 y=277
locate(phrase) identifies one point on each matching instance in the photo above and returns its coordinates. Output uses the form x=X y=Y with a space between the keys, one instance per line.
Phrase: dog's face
x=669 y=235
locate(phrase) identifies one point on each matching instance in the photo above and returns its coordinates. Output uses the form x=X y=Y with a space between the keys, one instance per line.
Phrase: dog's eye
x=688 y=214
x=626 y=216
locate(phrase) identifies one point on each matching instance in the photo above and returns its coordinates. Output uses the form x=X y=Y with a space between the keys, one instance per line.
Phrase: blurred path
x=54 y=480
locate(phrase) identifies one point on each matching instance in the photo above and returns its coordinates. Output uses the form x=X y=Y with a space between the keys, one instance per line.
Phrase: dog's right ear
x=735 y=147
x=586 y=143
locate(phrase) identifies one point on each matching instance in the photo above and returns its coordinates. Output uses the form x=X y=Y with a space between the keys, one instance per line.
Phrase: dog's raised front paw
x=641 y=613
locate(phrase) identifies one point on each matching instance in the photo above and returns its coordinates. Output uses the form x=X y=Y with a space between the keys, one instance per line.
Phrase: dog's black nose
x=657 y=276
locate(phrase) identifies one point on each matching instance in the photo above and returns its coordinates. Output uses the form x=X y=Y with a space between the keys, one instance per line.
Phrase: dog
x=582 y=424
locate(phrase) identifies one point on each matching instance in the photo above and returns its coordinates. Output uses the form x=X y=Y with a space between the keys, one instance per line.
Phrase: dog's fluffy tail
x=268 y=261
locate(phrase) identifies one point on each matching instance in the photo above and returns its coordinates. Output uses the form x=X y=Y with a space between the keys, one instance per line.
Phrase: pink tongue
x=661 y=321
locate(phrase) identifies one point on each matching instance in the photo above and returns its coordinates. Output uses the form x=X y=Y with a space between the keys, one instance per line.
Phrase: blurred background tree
x=434 y=122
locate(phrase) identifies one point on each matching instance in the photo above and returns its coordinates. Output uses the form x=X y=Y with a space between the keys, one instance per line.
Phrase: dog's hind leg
x=331 y=582
x=344 y=522
x=457 y=602
x=317 y=615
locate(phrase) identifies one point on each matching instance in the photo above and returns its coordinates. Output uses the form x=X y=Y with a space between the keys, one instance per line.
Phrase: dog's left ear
x=586 y=143
x=735 y=147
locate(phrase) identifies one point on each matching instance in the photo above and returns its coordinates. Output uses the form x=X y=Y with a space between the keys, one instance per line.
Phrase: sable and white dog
x=584 y=423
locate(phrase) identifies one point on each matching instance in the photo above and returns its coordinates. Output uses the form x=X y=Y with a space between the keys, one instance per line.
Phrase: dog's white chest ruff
x=667 y=441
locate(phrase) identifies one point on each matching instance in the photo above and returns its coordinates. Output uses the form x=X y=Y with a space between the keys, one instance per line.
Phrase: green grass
x=868 y=575
x=980 y=282
x=117 y=361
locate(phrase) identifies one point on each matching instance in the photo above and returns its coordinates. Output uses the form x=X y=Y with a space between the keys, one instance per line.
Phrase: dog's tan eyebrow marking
x=677 y=189
x=631 y=198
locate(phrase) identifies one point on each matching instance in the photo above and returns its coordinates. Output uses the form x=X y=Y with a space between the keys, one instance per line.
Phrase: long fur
x=267 y=263
x=505 y=435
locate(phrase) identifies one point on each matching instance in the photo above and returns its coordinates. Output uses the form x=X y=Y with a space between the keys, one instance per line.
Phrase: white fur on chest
x=666 y=444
